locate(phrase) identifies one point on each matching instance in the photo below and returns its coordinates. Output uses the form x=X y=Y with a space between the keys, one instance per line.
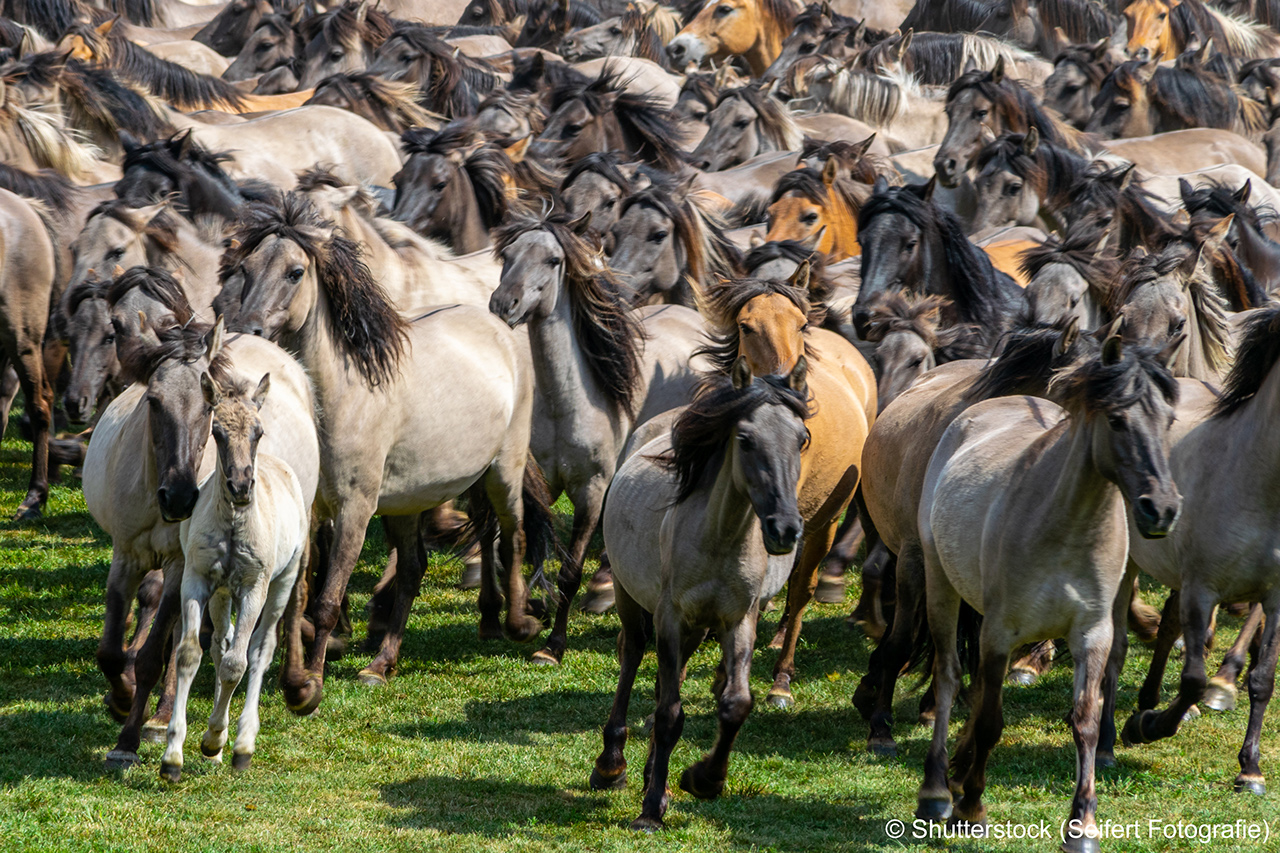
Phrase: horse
x=1238 y=567
x=341 y=41
x=817 y=30
x=548 y=21
x=449 y=83
x=596 y=183
x=768 y=323
x=308 y=284
x=636 y=32
x=981 y=102
x=1251 y=227
x=751 y=29
x=1008 y=479
x=895 y=457
x=1078 y=72
x=745 y=122
x=601 y=115
x=1142 y=99
x=181 y=168
x=230 y=29
x=910 y=243
x=1021 y=180
x=452 y=188
x=937 y=59
x=251 y=505
x=809 y=205
x=273 y=43
x=904 y=113
x=1163 y=29
x=667 y=245
x=1007 y=18
x=601 y=369
x=1071 y=277
x=700 y=527
x=142 y=475
x=390 y=106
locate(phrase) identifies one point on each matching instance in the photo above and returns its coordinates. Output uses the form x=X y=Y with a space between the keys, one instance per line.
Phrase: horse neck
x=1075 y=487
x=768 y=45
x=466 y=231
x=1251 y=434
x=1262 y=255
x=719 y=520
x=559 y=363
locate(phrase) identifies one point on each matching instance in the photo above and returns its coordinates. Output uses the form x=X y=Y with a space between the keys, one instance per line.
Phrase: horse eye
x=609 y=205
x=1116 y=422
x=295 y=274
x=440 y=186
x=1070 y=90
x=115 y=254
x=553 y=262
x=1013 y=189
x=1177 y=325
x=916 y=362
x=572 y=129
x=809 y=218
x=615 y=31
x=1162 y=16
x=741 y=123
x=657 y=236
x=109 y=340
x=910 y=244
x=808 y=47
x=979 y=114
x=335 y=55
x=721 y=11
x=405 y=57
x=264 y=47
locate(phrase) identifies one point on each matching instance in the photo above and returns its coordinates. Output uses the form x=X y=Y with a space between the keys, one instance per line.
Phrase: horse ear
x=1218 y=233
x=517 y=150
x=215 y=338
x=1100 y=48
x=881 y=186
x=1112 y=349
x=26 y=46
x=740 y=375
x=129 y=142
x=1067 y=338
x=298 y=15
x=857 y=35
x=180 y=144
x=830 y=171
x=903 y=44
x=930 y=187
x=1203 y=54
x=362 y=11
x=1031 y=142
x=1185 y=190
x=105 y=27
x=212 y=396
x=798 y=379
x=581 y=224
x=827 y=11
x=861 y=148
x=800 y=278
x=997 y=70
x=1127 y=176
x=260 y=395
x=1146 y=71
x=1181 y=219
x=1242 y=195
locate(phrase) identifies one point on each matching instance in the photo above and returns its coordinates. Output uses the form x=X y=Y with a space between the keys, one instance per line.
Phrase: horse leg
x=869 y=612
x=893 y=652
x=9 y=387
x=831 y=582
x=675 y=647
x=610 y=769
x=1092 y=652
x=986 y=722
x=154 y=728
x=504 y=486
x=1144 y=620
x=348 y=539
x=587 y=506
x=705 y=777
x=942 y=603
x=1148 y=726
x=384 y=596
x=221 y=648
x=1027 y=669
x=402 y=531
x=1262 y=680
x=301 y=689
x=113 y=660
x=1120 y=611
x=195 y=592
x=1166 y=638
x=262 y=648
x=39 y=400
x=1221 y=695
x=800 y=587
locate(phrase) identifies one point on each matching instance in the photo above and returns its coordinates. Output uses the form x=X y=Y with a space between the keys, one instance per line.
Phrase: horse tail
x=968 y=630
x=541 y=541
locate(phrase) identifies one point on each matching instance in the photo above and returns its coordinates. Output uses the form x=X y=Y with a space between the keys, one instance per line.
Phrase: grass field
x=472 y=748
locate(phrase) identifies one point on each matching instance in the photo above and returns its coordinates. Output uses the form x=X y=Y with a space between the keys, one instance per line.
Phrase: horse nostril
x=675 y=50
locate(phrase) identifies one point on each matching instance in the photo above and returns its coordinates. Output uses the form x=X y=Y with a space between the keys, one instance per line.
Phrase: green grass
x=472 y=748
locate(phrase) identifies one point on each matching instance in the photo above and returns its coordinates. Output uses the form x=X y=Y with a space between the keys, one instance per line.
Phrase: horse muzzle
x=781 y=533
x=1155 y=518
x=177 y=501
x=686 y=50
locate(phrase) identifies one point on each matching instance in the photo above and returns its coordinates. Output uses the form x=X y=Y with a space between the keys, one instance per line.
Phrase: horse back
x=669 y=370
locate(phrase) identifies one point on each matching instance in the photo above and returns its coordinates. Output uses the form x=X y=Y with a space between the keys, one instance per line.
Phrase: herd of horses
x=984 y=289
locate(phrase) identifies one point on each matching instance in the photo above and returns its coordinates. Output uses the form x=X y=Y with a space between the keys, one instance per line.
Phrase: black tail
x=968 y=630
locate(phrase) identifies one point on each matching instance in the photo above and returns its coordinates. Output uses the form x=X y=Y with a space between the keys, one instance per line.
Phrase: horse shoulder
x=638 y=500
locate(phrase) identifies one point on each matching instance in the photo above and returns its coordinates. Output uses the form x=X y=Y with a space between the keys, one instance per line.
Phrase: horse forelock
x=1091 y=386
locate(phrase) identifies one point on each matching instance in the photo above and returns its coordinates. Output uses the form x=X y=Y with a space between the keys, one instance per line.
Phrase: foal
x=244 y=546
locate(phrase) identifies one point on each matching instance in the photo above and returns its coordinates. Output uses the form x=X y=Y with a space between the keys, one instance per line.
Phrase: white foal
x=243 y=545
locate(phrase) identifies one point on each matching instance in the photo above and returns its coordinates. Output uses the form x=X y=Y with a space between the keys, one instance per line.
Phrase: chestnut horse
x=752 y=29
x=1162 y=29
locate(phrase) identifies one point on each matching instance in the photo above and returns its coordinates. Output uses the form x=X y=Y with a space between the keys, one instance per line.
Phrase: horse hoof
x=545 y=657
x=830 y=590
x=240 y=760
x=882 y=747
x=155 y=731
x=1251 y=785
x=780 y=698
x=470 y=578
x=1083 y=844
x=211 y=749
x=601 y=782
x=116 y=713
x=646 y=824
x=371 y=678
x=525 y=631
x=1132 y=734
x=171 y=772
x=598 y=600
x=693 y=781
x=935 y=809
x=1022 y=677
x=1221 y=695
x=1103 y=760
x=120 y=759
x=490 y=631
x=28 y=511
x=303 y=701
x=1192 y=713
